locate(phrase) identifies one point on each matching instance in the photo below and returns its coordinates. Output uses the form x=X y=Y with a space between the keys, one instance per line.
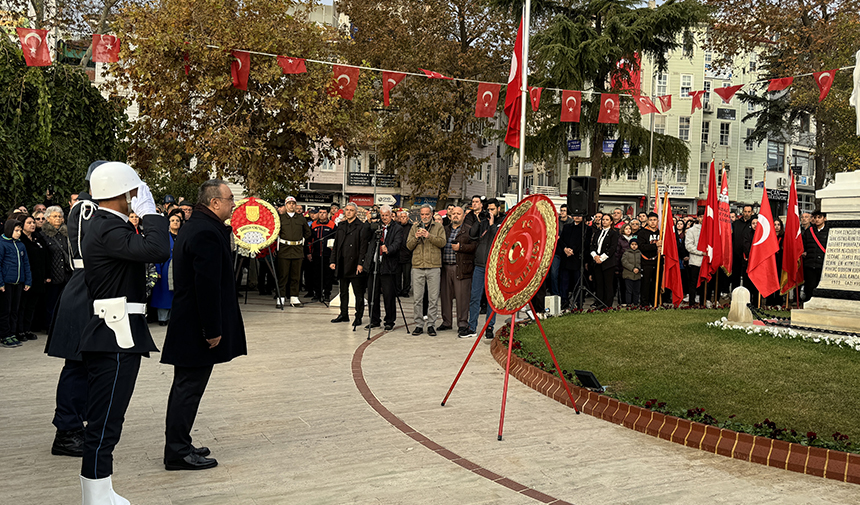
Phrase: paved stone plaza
x=288 y=424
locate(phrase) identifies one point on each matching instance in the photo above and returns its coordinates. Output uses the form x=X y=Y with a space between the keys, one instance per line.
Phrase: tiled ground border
x=817 y=461
x=375 y=404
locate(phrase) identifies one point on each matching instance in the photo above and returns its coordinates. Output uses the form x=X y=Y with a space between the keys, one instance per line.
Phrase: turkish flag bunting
x=35 y=46
x=725 y=225
x=727 y=93
x=780 y=84
x=709 y=238
x=610 y=108
x=824 y=80
x=240 y=68
x=646 y=106
x=672 y=272
x=761 y=268
x=434 y=75
x=792 y=245
x=292 y=65
x=697 y=100
x=105 y=48
x=488 y=99
x=534 y=96
x=513 y=93
x=665 y=102
x=344 y=81
x=389 y=80
x=571 y=106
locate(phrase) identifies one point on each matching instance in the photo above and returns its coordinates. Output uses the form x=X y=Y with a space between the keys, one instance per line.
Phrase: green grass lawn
x=672 y=356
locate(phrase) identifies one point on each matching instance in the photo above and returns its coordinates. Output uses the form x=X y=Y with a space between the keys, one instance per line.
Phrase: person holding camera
x=483 y=233
x=350 y=244
x=477 y=212
x=426 y=240
x=384 y=251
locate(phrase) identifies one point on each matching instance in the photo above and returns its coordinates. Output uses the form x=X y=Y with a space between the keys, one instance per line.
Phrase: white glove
x=143 y=204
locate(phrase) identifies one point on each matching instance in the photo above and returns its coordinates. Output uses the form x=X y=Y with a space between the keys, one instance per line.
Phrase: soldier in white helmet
x=116 y=335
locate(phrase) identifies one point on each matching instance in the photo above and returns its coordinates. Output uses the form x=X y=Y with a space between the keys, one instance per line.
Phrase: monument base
x=828 y=314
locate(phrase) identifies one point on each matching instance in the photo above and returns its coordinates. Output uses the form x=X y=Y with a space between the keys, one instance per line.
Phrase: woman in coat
x=40 y=265
x=57 y=236
x=162 y=292
x=604 y=245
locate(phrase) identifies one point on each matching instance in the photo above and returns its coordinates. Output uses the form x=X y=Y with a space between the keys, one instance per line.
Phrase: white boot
x=295 y=302
x=100 y=492
x=279 y=302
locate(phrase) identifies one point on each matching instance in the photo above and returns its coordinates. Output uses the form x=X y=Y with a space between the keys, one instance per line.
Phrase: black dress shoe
x=417 y=331
x=191 y=462
x=68 y=443
x=388 y=327
x=443 y=328
x=200 y=451
x=357 y=322
x=340 y=319
x=431 y=331
x=372 y=325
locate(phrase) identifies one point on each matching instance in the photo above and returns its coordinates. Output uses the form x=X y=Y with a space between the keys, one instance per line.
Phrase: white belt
x=78 y=264
x=291 y=242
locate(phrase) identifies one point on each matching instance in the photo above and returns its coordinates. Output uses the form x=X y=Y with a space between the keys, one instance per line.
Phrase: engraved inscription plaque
x=841 y=270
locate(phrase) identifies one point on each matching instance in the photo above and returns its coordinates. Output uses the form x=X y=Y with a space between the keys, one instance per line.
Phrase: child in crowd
x=15 y=278
x=631 y=260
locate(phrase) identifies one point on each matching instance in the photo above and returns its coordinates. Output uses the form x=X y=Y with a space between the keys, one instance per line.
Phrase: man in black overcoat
x=350 y=245
x=205 y=326
x=389 y=239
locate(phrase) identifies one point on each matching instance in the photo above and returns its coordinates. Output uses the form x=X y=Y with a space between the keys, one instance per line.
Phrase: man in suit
x=116 y=335
x=814 y=245
x=350 y=245
x=387 y=243
x=205 y=326
x=603 y=246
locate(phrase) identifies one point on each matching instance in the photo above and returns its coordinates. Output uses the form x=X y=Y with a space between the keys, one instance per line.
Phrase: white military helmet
x=112 y=179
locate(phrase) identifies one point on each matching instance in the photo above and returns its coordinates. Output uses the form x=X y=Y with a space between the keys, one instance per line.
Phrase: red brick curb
x=817 y=461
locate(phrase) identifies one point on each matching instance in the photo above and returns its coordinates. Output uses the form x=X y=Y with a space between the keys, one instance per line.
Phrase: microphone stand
x=377 y=261
x=581 y=288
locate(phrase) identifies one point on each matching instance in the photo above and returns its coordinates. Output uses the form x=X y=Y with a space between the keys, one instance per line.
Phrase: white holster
x=115 y=312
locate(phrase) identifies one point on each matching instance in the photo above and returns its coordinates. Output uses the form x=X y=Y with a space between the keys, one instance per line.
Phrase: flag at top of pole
x=513 y=97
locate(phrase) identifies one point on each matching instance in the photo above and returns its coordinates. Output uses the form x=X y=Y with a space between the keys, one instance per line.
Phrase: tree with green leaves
x=53 y=124
x=577 y=46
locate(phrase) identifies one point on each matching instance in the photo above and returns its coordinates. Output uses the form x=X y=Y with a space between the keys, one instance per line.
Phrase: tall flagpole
x=524 y=64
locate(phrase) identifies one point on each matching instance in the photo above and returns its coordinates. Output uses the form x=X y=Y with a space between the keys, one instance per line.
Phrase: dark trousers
x=265 y=280
x=631 y=292
x=110 y=384
x=385 y=287
x=649 y=279
x=358 y=288
x=319 y=279
x=404 y=279
x=189 y=383
x=289 y=273
x=52 y=298
x=603 y=282
x=567 y=281
x=811 y=278
x=10 y=308
x=452 y=288
x=71 y=403
x=29 y=302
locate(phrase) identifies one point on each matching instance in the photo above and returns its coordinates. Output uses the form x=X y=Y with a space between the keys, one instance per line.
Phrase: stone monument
x=835 y=304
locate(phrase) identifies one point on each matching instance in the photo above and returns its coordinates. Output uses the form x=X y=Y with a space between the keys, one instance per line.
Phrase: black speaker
x=581 y=196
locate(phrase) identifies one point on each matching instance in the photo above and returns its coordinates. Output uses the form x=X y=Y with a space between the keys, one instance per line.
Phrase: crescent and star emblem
x=567 y=102
x=392 y=81
x=609 y=104
x=239 y=61
x=517 y=247
x=514 y=67
x=765 y=226
x=484 y=97
x=33 y=48
x=824 y=78
x=341 y=76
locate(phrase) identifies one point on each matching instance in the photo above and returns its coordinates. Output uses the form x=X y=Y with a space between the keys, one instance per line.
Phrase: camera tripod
x=377 y=261
x=581 y=289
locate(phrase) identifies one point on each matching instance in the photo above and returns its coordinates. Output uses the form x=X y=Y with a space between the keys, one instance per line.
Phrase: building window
x=706 y=132
x=775 y=156
x=632 y=176
x=662 y=84
x=748 y=178
x=750 y=107
x=725 y=129
x=355 y=164
x=750 y=144
x=326 y=165
x=806 y=203
x=709 y=56
x=753 y=62
x=681 y=177
x=659 y=124
x=801 y=163
x=686 y=85
x=706 y=98
x=804 y=123
x=372 y=163
x=704 y=170
x=684 y=128
x=658 y=174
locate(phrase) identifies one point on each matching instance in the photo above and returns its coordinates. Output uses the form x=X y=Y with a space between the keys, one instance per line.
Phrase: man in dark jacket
x=814 y=246
x=483 y=233
x=649 y=244
x=206 y=325
x=404 y=265
x=116 y=335
x=318 y=276
x=350 y=245
x=458 y=263
x=740 y=228
x=291 y=240
x=575 y=236
x=387 y=242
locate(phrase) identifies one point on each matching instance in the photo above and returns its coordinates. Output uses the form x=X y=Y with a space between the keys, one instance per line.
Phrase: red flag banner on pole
x=709 y=239
x=761 y=269
x=646 y=106
x=792 y=245
x=672 y=266
x=534 y=96
x=513 y=93
x=728 y=92
x=240 y=68
x=571 y=106
x=488 y=99
x=105 y=48
x=824 y=80
x=389 y=80
x=610 y=108
x=780 y=84
x=34 y=43
x=435 y=75
x=697 y=99
x=725 y=225
x=291 y=65
x=344 y=81
x=665 y=103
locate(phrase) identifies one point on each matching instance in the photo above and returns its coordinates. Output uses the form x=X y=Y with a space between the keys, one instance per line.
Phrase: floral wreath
x=256 y=225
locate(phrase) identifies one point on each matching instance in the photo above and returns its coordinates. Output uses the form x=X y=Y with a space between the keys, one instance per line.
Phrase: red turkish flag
x=697 y=99
x=34 y=43
x=434 y=75
x=534 y=97
x=291 y=65
x=710 y=242
x=389 y=80
x=727 y=93
x=780 y=84
x=725 y=219
x=610 y=108
x=344 y=82
x=105 y=48
x=646 y=106
x=672 y=271
x=488 y=99
x=665 y=102
x=240 y=68
x=824 y=80
x=513 y=93
x=792 y=245
x=571 y=106
x=761 y=268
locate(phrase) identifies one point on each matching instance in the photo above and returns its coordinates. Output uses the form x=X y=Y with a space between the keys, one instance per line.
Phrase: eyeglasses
x=232 y=198
x=40 y=219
